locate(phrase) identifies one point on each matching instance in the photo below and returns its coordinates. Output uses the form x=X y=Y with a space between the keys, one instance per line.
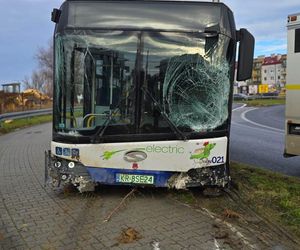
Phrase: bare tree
x=27 y=82
x=36 y=81
x=44 y=57
x=42 y=78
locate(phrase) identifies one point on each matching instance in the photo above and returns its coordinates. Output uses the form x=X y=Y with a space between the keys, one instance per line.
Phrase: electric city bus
x=292 y=111
x=143 y=93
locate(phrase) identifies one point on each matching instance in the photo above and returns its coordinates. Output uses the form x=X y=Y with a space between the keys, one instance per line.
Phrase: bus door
x=101 y=86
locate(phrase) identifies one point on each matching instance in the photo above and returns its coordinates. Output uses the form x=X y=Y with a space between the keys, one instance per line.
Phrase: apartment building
x=283 y=71
x=268 y=70
x=271 y=71
x=256 y=71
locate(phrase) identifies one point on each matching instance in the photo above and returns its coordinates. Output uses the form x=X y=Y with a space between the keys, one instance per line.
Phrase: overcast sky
x=25 y=26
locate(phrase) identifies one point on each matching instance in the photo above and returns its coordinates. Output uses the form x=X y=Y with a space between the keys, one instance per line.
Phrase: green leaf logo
x=108 y=154
x=203 y=153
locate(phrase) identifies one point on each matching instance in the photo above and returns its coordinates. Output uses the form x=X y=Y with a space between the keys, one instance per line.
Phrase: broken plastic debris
x=155 y=245
x=23 y=227
x=196 y=92
x=8 y=121
x=84 y=184
x=179 y=181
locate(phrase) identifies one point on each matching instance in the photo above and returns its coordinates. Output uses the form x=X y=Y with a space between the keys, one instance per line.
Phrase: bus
x=292 y=108
x=143 y=93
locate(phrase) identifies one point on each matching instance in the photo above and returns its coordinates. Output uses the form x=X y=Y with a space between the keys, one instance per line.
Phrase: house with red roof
x=271 y=71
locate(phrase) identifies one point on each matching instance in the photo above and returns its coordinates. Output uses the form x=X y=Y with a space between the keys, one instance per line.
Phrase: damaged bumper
x=60 y=171
x=214 y=176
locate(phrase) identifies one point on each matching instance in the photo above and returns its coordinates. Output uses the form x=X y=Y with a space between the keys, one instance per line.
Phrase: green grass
x=273 y=195
x=264 y=102
x=185 y=196
x=23 y=122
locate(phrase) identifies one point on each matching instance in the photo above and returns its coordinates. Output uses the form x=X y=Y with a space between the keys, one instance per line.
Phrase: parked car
x=241 y=96
x=276 y=93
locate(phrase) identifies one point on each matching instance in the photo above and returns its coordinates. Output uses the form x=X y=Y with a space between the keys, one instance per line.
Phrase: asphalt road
x=257 y=138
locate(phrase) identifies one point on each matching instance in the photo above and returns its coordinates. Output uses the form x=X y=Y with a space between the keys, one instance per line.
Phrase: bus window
x=297 y=40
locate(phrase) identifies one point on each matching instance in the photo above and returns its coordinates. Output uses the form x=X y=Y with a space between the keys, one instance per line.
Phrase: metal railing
x=25 y=114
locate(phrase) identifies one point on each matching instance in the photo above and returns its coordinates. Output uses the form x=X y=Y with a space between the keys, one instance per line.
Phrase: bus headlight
x=71 y=164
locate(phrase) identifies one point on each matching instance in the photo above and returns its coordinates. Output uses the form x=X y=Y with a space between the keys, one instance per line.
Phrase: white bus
x=143 y=92
x=292 y=115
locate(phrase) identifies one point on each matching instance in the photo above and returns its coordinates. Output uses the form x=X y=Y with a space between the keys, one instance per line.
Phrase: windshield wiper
x=102 y=129
x=180 y=135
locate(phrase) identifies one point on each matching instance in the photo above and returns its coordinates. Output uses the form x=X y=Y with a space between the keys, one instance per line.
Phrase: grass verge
x=23 y=123
x=272 y=196
x=264 y=102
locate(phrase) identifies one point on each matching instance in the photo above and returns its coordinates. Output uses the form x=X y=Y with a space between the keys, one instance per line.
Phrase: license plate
x=135 y=178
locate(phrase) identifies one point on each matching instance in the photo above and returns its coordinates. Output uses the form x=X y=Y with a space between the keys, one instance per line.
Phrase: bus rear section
x=292 y=115
x=143 y=93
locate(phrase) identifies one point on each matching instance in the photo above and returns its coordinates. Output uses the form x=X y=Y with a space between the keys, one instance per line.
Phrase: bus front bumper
x=209 y=176
x=85 y=178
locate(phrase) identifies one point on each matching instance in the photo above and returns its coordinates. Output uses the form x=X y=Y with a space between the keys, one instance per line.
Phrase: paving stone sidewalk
x=35 y=217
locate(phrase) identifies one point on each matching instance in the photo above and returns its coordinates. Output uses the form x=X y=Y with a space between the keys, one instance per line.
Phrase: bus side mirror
x=246 y=53
x=55 y=15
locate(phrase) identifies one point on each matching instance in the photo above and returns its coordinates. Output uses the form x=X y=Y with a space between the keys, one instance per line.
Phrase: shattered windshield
x=100 y=76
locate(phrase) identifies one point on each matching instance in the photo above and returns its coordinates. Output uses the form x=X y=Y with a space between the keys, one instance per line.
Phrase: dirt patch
x=129 y=235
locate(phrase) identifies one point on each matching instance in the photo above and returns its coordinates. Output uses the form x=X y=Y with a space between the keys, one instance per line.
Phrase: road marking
x=249 y=126
x=243 y=116
x=243 y=106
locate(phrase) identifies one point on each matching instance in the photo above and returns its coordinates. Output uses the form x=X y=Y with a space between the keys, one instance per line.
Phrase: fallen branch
x=120 y=205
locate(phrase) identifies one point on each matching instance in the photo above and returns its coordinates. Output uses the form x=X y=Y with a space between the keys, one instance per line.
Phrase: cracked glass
x=101 y=74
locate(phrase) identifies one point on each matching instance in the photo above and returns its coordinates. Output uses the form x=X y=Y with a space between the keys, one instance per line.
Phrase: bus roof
x=188 y=16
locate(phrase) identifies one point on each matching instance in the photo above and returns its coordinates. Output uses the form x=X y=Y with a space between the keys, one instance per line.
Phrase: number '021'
x=218 y=159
